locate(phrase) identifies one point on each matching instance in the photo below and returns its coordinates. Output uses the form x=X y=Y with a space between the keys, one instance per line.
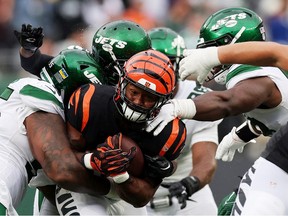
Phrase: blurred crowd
x=69 y=22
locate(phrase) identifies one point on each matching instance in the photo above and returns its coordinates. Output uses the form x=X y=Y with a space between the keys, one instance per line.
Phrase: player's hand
x=228 y=146
x=108 y=159
x=198 y=63
x=182 y=108
x=158 y=167
x=183 y=189
x=30 y=38
x=226 y=205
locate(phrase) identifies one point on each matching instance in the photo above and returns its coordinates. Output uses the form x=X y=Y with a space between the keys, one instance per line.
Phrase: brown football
x=137 y=165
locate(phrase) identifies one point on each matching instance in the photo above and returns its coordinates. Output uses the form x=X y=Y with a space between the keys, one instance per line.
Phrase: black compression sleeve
x=35 y=63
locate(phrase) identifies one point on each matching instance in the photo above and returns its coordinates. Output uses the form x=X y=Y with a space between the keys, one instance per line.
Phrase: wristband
x=244 y=132
x=184 y=108
x=112 y=194
x=121 y=178
x=192 y=184
x=86 y=160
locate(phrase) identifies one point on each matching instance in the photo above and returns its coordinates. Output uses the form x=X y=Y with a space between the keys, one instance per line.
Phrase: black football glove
x=30 y=38
x=183 y=189
x=158 y=167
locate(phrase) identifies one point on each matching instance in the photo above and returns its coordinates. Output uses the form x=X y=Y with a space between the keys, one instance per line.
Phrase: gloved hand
x=198 y=63
x=183 y=189
x=226 y=205
x=30 y=38
x=108 y=159
x=182 y=108
x=228 y=146
x=158 y=167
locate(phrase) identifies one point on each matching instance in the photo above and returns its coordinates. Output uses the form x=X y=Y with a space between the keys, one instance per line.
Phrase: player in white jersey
x=196 y=164
x=257 y=92
x=19 y=100
x=32 y=127
x=256 y=194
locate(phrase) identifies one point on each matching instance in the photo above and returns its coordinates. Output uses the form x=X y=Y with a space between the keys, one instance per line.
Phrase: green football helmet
x=170 y=43
x=72 y=68
x=117 y=41
x=228 y=26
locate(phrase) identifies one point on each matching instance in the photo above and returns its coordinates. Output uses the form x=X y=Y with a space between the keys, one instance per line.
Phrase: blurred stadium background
x=68 y=22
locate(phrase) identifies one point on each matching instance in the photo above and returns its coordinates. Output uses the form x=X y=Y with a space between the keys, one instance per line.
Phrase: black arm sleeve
x=35 y=63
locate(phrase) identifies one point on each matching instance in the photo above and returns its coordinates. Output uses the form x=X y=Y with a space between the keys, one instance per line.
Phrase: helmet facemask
x=151 y=74
x=134 y=112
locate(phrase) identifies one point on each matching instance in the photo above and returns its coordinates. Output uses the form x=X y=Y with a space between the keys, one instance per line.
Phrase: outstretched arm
x=255 y=53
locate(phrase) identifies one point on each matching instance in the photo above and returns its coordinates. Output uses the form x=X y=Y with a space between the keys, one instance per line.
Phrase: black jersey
x=93 y=112
x=276 y=149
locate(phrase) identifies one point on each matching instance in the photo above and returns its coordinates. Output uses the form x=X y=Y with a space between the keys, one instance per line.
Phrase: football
x=136 y=167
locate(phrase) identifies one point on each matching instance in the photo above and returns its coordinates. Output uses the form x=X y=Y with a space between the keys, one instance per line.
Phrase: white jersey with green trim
x=19 y=100
x=197 y=131
x=269 y=120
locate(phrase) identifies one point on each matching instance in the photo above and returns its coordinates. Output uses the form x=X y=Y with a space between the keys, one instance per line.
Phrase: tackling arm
x=137 y=191
x=204 y=163
x=243 y=97
x=50 y=146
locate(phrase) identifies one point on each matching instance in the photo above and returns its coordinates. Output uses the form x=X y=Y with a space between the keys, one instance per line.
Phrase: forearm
x=33 y=62
x=204 y=163
x=136 y=191
x=50 y=146
x=255 y=53
x=214 y=106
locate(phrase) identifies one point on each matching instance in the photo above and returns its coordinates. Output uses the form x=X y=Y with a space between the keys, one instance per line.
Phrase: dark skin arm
x=204 y=162
x=138 y=192
x=50 y=146
x=243 y=97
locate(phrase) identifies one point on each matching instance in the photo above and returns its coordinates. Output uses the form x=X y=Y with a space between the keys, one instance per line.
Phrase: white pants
x=69 y=203
x=263 y=190
x=203 y=204
x=13 y=183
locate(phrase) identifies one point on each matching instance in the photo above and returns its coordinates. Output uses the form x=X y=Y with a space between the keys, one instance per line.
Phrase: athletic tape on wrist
x=185 y=108
x=87 y=160
x=112 y=194
x=121 y=178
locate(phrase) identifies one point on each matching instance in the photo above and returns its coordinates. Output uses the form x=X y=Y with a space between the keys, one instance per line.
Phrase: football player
x=259 y=92
x=196 y=164
x=148 y=81
x=129 y=110
x=32 y=127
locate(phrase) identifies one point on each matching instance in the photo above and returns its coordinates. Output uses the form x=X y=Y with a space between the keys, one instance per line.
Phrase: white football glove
x=182 y=108
x=228 y=146
x=198 y=63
